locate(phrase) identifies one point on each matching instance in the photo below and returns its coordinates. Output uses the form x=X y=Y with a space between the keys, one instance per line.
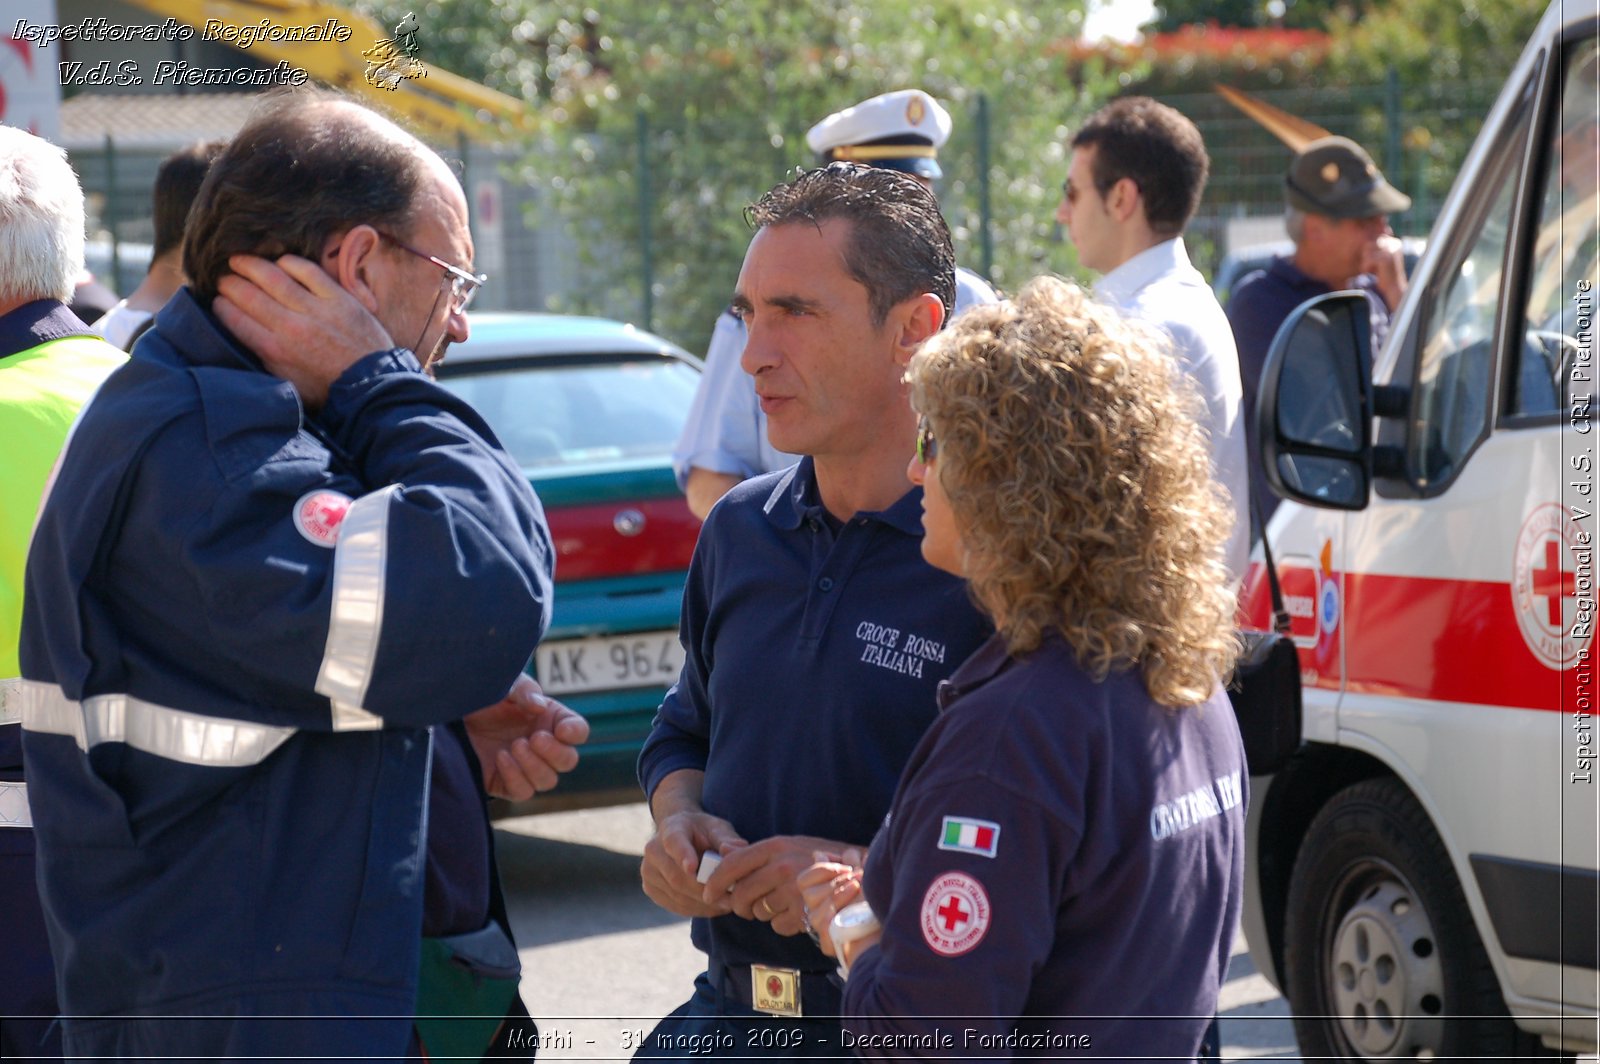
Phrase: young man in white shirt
x=1137 y=171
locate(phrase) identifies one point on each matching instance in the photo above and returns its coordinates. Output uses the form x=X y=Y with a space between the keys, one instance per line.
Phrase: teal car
x=591 y=409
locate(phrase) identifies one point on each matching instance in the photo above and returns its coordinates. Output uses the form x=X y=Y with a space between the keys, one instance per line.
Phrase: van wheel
x=1380 y=952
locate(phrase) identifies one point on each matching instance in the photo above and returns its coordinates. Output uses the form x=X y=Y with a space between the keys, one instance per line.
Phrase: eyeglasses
x=927 y=446
x=463 y=285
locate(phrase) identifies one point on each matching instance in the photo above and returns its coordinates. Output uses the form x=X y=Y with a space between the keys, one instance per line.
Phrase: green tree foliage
x=726 y=92
x=1444 y=61
x=1411 y=80
x=1173 y=15
x=492 y=42
x=1434 y=40
x=1194 y=58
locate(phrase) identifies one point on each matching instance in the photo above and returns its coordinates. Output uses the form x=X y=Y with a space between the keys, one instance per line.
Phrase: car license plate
x=609 y=662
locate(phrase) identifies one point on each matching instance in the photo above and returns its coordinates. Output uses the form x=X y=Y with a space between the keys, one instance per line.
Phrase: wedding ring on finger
x=767 y=905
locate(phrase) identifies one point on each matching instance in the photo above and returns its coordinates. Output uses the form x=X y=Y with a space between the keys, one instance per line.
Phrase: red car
x=591 y=409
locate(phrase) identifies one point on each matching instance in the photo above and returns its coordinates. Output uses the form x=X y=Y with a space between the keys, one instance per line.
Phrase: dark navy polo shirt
x=1260 y=304
x=1064 y=860
x=813 y=658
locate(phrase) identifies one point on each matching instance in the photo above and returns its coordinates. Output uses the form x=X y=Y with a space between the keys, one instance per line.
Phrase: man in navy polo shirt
x=724 y=439
x=815 y=633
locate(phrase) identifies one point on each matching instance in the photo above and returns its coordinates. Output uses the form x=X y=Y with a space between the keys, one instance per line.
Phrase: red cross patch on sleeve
x=318 y=515
x=955 y=914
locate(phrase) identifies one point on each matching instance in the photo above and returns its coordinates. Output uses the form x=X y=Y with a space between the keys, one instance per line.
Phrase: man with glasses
x=275 y=557
x=461 y=284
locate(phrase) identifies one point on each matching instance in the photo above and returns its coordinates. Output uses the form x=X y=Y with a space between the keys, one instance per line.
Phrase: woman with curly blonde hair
x=1062 y=864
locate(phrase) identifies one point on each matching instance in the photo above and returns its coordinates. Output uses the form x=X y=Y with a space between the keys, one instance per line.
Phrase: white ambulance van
x=1423 y=869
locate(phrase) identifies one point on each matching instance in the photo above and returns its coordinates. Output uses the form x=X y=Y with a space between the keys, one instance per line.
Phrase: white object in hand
x=850 y=923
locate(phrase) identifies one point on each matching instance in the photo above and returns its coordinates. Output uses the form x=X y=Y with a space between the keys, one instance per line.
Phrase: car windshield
x=551 y=413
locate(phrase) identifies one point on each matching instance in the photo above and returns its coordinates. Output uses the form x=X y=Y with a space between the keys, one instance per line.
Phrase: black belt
x=820 y=996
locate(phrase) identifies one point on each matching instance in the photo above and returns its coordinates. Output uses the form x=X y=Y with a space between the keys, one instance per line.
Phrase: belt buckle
x=775 y=991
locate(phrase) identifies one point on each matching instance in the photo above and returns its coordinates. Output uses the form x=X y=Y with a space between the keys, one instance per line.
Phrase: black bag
x=1265 y=689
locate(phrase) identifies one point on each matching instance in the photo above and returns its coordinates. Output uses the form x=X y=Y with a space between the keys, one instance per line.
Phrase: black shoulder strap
x=1280 y=616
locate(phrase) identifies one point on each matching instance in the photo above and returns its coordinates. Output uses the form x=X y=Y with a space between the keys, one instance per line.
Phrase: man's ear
x=920 y=317
x=1123 y=199
x=350 y=258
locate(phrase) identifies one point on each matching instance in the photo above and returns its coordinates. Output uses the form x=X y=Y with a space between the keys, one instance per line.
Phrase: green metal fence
x=1418 y=135
x=682 y=243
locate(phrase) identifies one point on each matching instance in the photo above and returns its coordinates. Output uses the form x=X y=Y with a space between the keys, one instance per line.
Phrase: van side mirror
x=1314 y=410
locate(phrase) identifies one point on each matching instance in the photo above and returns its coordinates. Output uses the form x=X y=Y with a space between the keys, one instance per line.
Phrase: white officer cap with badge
x=896 y=131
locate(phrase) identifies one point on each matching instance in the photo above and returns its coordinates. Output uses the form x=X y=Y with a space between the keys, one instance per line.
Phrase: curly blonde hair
x=1080 y=481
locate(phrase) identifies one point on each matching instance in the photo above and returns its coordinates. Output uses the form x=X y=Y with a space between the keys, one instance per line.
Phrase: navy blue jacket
x=229 y=677
x=1064 y=859
x=812 y=658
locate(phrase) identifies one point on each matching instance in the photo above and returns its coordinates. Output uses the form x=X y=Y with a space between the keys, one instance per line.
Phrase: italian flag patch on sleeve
x=965 y=835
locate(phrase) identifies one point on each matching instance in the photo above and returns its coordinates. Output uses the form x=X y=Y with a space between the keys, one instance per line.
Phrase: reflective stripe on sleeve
x=356 y=619
x=14 y=811
x=178 y=735
x=10 y=702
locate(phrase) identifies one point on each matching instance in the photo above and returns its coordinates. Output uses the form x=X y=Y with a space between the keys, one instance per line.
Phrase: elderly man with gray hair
x=50 y=363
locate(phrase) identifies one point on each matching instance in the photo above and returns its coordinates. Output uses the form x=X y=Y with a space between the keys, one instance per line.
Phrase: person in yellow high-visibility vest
x=51 y=363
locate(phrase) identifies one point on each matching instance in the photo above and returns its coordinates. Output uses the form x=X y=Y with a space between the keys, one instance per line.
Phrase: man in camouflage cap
x=1337 y=213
